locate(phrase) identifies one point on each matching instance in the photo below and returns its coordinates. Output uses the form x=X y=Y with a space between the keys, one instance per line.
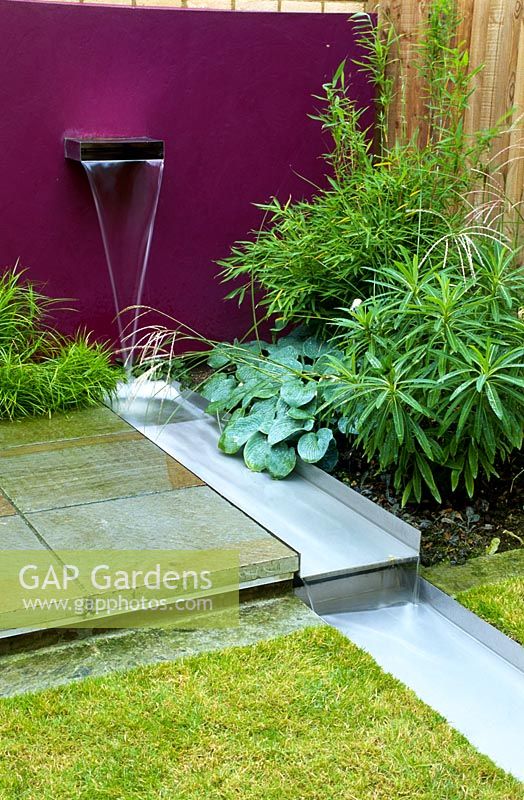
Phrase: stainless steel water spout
x=140 y=148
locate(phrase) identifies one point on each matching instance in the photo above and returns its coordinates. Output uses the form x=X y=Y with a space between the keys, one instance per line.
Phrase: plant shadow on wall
x=42 y=371
x=403 y=286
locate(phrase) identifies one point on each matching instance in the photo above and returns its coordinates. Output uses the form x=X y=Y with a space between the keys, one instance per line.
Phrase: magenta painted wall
x=229 y=92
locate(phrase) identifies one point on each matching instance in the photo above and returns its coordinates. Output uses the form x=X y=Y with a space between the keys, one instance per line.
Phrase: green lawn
x=490 y=586
x=476 y=572
x=501 y=604
x=304 y=716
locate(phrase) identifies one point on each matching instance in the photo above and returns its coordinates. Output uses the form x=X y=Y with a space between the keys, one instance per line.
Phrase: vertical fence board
x=492 y=47
x=493 y=32
x=515 y=169
x=466 y=18
x=407 y=111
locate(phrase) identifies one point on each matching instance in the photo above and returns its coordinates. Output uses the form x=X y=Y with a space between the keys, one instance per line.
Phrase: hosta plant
x=268 y=398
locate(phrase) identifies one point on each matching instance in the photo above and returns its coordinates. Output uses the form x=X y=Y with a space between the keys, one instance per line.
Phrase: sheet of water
x=126 y=198
x=476 y=690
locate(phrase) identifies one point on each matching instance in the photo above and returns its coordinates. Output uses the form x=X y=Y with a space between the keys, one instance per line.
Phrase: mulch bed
x=459 y=528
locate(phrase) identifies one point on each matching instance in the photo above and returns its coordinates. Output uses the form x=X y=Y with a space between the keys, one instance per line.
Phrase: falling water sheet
x=126 y=199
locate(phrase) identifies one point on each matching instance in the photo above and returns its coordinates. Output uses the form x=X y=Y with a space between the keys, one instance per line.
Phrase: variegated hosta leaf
x=256 y=346
x=282 y=408
x=330 y=460
x=219 y=387
x=265 y=411
x=347 y=426
x=256 y=452
x=255 y=390
x=328 y=389
x=218 y=358
x=297 y=393
x=226 y=403
x=313 y=446
x=281 y=460
x=283 y=427
x=236 y=433
x=247 y=373
x=264 y=389
x=283 y=369
x=282 y=353
x=313 y=348
x=304 y=412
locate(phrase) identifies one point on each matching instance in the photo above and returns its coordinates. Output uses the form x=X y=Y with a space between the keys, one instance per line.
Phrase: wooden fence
x=493 y=31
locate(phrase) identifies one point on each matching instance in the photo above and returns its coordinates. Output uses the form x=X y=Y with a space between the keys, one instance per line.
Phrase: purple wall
x=229 y=93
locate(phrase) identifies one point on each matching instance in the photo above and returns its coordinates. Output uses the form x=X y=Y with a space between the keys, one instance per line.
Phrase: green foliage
x=501 y=604
x=22 y=309
x=433 y=374
x=269 y=396
x=41 y=371
x=429 y=373
x=399 y=194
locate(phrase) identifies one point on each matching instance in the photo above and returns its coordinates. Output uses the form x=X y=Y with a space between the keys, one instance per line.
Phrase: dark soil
x=199 y=375
x=459 y=528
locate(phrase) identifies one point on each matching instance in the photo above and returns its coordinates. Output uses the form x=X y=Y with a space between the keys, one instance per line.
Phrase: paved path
x=88 y=480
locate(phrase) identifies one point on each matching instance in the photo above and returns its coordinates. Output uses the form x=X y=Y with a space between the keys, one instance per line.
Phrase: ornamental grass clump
x=42 y=371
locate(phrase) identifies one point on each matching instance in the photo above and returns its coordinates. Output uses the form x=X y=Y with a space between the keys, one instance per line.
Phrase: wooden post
x=515 y=89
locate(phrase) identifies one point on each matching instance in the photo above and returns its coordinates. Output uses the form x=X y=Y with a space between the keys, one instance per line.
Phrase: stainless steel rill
x=359 y=572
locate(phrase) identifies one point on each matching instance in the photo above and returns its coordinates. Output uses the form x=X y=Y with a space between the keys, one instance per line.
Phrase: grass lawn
x=501 y=604
x=490 y=586
x=476 y=572
x=305 y=716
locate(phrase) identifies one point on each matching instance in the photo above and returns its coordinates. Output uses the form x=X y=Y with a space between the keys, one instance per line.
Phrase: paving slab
x=187 y=519
x=89 y=480
x=15 y=534
x=72 y=425
x=78 y=471
x=6 y=509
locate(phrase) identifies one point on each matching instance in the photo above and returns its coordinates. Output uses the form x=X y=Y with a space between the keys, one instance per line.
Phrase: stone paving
x=88 y=480
x=95 y=655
